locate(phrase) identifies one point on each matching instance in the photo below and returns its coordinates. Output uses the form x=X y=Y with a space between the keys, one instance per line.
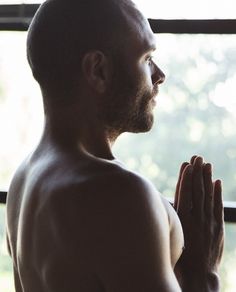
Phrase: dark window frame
x=18 y=17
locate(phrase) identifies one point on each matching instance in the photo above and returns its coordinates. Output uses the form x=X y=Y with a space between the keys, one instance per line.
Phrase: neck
x=79 y=131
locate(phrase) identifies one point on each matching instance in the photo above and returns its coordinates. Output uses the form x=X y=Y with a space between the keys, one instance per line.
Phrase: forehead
x=139 y=32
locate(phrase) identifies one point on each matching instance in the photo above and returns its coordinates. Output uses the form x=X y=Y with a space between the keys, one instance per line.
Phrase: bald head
x=64 y=30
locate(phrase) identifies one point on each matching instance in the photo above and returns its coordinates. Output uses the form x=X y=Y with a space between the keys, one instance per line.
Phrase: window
x=195 y=113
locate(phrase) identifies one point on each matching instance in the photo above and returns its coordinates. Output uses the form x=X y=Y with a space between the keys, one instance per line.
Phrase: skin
x=78 y=220
x=198 y=203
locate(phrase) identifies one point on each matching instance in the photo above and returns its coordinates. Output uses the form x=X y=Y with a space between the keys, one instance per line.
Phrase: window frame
x=17 y=17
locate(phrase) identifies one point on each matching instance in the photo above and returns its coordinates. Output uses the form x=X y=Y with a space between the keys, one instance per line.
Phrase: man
x=77 y=219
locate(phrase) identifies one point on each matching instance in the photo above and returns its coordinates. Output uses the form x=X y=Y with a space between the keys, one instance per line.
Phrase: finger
x=219 y=215
x=193 y=159
x=185 y=193
x=178 y=184
x=218 y=203
x=207 y=177
x=198 y=188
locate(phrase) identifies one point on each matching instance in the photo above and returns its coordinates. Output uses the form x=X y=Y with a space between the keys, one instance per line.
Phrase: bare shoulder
x=109 y=185
x=103 y=195
x=113 y=207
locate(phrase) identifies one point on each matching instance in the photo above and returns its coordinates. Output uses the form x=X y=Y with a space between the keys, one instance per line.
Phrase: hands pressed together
x=198 y=203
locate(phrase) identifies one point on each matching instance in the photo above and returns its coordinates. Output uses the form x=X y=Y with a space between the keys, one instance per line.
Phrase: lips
x=154 y=94
x=155 y=91
x=153 y=101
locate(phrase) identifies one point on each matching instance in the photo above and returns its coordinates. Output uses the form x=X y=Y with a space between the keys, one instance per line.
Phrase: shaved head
x=62 y=31
x=95 y=54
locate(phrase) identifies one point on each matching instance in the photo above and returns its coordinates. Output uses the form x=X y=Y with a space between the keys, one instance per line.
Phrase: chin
x=143 y=125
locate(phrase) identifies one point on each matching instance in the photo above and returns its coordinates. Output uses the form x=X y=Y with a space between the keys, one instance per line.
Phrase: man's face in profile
x=130 y=103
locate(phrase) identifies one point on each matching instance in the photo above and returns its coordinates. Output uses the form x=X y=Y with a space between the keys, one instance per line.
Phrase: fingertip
x=198 y=161
x=218 y=198
x=218 y=189
x=193 y=159
x=208 y=167
x=219 y=183
x=184 y=164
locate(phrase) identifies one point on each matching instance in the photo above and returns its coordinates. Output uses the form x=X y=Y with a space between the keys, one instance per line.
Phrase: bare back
x=74 y=222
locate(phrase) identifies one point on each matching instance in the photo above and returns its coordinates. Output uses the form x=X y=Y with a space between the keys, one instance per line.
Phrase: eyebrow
x=150 y=45
x=151 y=48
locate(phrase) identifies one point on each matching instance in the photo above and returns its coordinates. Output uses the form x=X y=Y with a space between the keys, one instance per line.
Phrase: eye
x=149 y=60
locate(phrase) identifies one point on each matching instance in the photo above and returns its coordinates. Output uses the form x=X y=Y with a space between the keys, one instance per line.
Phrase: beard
x=129 y=107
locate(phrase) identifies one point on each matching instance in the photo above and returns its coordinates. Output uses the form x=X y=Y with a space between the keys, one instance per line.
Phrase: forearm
x=196 y=282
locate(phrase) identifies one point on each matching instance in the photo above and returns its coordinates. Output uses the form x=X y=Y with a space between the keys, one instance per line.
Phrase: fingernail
x=208 y=167
x=201 y=159
x=198 y=161
x=219 y=182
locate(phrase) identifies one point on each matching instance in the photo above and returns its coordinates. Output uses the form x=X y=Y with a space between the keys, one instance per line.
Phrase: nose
x=158 y=76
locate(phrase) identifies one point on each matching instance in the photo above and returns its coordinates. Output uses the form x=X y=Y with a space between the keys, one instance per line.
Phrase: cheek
x=145 y=75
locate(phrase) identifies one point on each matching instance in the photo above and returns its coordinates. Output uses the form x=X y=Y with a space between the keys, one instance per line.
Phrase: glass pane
x=20 y=105
x=195 y=113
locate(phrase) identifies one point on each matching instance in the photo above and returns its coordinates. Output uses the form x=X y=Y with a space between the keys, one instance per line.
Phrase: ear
x=96 y=70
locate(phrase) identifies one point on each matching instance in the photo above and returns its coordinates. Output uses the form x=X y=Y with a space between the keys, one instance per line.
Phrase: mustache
x=155 y=91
